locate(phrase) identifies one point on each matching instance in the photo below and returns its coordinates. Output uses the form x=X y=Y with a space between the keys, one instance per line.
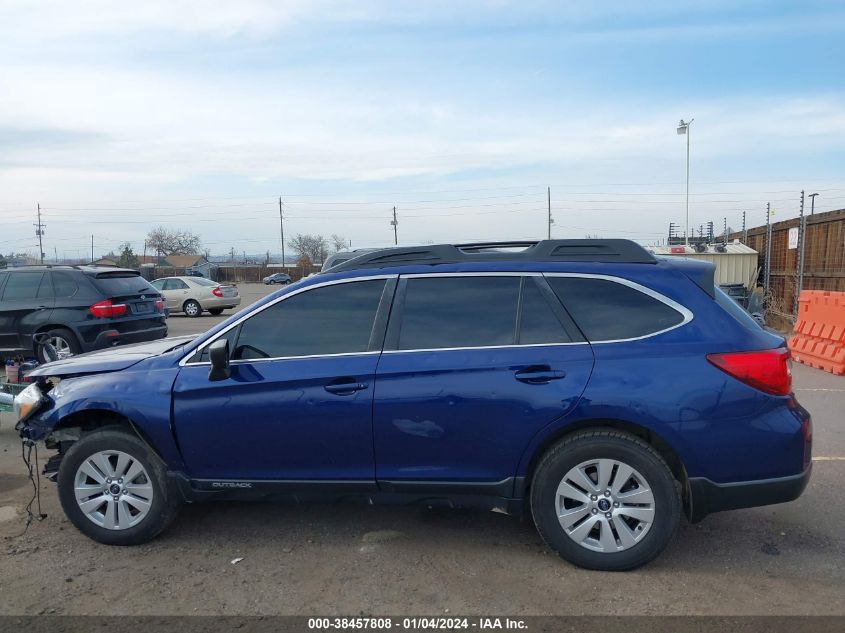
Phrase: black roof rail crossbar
x=607 y=251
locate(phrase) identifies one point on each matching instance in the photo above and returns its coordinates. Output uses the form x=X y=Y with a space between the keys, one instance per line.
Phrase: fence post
x=767 y=266
x=799 y=268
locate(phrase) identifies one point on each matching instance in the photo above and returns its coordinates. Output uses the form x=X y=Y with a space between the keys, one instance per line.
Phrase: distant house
x=104 y=261
x=181 y=261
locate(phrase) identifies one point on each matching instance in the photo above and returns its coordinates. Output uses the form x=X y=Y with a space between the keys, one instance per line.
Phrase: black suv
x=77 y=309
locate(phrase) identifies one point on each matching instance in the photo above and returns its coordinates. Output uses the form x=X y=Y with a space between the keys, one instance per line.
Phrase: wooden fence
x=824 y=256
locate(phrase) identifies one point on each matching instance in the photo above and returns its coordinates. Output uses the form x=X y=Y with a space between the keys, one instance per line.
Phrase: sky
x=117 y=117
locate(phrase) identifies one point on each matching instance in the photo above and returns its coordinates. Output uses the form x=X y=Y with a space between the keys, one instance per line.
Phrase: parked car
x=278 y=278
x=79 y=308
x=192 y=295
x=602 y=390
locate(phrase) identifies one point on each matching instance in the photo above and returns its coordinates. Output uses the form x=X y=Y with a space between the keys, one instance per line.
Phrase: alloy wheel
x=63 y=349
x=605 y=505
x=113 y=490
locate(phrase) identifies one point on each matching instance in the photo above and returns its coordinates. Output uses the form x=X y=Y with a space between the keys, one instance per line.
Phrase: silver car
x=192 y=295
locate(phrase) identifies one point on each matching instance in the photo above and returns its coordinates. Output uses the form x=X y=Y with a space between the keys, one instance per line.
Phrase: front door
x=473 y=368
x=298 y=403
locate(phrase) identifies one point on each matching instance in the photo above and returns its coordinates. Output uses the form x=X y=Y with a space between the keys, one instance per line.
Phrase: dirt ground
x=344 y=558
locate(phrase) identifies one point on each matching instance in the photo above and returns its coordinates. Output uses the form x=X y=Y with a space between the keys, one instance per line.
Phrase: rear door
x=473 y=367
x=25 y=306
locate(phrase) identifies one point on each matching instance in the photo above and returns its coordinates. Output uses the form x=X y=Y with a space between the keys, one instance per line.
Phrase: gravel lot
x=348 y=558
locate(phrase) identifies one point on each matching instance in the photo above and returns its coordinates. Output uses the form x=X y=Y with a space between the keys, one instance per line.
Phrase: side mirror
x=218 y=354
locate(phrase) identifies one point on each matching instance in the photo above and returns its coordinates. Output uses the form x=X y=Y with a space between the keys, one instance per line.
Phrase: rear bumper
x=108 y=338
x=706 y=497
x=220 y=302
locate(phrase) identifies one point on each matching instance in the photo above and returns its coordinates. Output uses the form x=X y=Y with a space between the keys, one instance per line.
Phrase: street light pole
x=812 y=197
x=684 y=128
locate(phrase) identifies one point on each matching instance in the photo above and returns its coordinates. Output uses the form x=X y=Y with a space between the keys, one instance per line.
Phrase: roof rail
x=588 y=250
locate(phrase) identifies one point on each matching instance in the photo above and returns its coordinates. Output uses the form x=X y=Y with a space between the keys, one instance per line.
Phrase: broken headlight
x=28 y=402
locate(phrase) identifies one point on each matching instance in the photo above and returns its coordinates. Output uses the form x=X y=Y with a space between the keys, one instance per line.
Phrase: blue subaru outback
x=587 y=383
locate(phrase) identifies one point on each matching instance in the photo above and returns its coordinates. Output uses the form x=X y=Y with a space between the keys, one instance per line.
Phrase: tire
x=63 y=340
x=215 y=311
x=150 y=485
x=192 y=308
x=604 y=534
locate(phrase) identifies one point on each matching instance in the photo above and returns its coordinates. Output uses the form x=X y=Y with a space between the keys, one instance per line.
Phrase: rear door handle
x=539 y=375
x=345 y=388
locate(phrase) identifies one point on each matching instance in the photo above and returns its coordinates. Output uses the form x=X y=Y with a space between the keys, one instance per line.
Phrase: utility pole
x=395 y=223
x=744 y=231
x=92 y=249
x=812 y=197
x=39 y=231
x=549 y=192
x=282 y=230
x=725 y=232
x=767 y=268
x=799 y=278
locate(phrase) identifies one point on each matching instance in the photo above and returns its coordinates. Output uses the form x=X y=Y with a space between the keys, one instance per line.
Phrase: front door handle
x=539 y=375
x=345 y=388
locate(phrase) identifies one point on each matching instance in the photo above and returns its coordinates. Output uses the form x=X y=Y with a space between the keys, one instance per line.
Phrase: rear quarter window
x=607 y=310
x=736 y=311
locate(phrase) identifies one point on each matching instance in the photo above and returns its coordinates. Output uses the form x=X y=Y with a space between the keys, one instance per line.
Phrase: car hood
x=111 y=359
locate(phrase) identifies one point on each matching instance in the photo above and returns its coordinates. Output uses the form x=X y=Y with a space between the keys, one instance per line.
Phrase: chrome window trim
x=453 y=349
x=685 y=312
x=184 y=361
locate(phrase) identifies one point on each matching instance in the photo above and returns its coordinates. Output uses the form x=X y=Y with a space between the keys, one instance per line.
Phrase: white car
x=192 y=295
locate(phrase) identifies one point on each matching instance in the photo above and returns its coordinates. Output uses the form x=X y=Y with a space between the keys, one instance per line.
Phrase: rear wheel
x=114 y=489
x=62 y=340
x=192 y=308
x=215 y=311
x=605 y=500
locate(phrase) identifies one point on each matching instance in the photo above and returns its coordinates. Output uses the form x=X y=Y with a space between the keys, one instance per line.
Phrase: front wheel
x=114 y=489
x=605 y=500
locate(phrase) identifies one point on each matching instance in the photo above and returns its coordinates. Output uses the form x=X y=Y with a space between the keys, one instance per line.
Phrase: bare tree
x=173 y=242
x=314 y=248
x=338 y=243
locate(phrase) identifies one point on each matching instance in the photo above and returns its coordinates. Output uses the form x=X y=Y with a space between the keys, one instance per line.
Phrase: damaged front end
x=30 y=405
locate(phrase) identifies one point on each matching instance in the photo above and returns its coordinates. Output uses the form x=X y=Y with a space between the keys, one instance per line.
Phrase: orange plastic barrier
x=819 y=339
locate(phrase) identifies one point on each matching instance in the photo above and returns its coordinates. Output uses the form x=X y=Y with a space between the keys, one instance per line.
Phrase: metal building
x=737 y=264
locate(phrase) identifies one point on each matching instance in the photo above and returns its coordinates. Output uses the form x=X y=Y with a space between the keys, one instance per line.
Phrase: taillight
x=767 y=370
x=159 y=305
x=217 y=292
x=106 y=309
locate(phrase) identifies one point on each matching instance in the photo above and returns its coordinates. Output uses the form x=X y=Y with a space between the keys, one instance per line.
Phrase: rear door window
x=607 y=310
x=22 y=286
x=538 y=322
x=45 y=288
x=174 y=284
x=449 y=312
x=64 y=285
